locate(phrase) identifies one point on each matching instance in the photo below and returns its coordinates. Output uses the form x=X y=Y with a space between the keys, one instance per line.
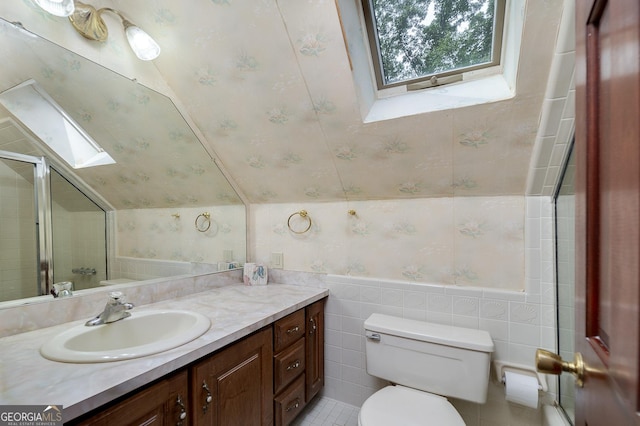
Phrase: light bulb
x=57 y=7
x=142 y=44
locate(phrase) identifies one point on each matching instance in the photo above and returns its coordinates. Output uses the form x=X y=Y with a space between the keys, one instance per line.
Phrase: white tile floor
x=327 y=412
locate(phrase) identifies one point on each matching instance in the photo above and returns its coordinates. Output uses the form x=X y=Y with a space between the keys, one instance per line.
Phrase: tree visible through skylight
x=419 y=38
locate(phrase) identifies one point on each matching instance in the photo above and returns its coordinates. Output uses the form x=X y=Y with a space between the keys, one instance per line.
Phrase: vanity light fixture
x=62 y=8
x=87 y=20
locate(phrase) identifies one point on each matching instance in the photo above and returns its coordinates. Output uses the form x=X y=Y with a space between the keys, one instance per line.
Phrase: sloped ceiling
x=268 y=86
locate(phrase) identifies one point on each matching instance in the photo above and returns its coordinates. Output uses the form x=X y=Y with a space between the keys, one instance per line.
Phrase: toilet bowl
x=427 y=362
x=399 y=405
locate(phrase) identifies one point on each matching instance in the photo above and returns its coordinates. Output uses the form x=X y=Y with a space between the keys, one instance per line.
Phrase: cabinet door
x=315 y=349
x=163 y=403
x=235 y=386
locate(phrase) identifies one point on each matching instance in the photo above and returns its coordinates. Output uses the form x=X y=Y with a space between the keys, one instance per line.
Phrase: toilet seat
x=400 y=405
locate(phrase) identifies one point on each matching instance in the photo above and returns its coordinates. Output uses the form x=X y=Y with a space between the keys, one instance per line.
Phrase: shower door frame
x=560 y=280
x=43 y=224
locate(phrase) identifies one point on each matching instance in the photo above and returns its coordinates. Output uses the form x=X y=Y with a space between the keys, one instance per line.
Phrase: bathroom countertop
x=27 y=378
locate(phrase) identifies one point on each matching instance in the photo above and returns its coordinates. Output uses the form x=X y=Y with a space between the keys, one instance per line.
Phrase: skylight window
x=426 y=43
x=30 y=104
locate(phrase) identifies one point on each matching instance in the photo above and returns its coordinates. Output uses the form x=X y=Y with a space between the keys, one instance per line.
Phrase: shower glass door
x=19 y=240
x=50 y=231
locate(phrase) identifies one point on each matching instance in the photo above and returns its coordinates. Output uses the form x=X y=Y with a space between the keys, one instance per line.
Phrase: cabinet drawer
x=287 y=365
x=288 y=329
x=290 y=403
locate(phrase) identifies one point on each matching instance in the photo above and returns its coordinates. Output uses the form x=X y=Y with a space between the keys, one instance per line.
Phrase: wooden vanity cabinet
x=265 y=378
x=163 y=403
x=234 y=386
x=298 y=361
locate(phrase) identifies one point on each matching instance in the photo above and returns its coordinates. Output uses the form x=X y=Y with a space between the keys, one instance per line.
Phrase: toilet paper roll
x=521 y=389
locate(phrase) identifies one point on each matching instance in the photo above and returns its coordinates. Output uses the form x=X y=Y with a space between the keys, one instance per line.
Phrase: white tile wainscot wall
x=519 y=322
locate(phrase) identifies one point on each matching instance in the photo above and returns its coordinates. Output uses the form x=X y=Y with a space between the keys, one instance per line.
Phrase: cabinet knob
x=293 y=330
x=183 y=412
x=313 y=325
x=295 y=364
x=295 y=404
x=207 y=399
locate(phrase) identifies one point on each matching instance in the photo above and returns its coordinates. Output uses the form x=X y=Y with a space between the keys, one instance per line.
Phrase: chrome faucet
x=115 y=310
x=62 y=289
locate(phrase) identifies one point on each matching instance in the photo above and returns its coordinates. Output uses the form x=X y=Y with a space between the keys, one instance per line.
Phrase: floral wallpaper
x=183 y=234
x=467 y=241
x=269 y=86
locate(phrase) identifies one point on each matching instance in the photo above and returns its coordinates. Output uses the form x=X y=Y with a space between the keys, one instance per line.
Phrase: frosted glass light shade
x=57 y=7
x=30 y=104
x=142 y=44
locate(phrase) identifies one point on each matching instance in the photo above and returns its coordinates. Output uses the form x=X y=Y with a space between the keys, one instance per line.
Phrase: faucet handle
x=118 y=298
x=117 y=295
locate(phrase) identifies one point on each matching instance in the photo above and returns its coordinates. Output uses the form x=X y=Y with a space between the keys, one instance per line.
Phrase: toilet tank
x=441 y=359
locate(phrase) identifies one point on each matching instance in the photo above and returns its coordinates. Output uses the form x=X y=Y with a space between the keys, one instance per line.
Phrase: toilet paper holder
x=500 y=367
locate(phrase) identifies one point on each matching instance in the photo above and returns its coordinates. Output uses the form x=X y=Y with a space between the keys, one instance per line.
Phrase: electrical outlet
x=277 y=260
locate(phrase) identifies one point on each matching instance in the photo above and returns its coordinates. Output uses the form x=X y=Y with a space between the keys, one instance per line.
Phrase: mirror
x=163 y=179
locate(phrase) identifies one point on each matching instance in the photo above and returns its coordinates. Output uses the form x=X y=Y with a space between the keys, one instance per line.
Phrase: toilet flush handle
x=372 y=336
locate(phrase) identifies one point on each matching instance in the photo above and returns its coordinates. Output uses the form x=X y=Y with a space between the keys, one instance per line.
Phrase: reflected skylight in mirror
x=31 y=104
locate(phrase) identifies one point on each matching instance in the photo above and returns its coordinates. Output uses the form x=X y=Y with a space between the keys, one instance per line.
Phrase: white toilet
x=426 y=362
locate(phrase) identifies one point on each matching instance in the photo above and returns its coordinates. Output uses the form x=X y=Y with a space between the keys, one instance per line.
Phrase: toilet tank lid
x=477 y=340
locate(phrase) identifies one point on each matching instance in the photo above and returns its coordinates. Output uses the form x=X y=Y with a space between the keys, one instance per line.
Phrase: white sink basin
x=143 y=333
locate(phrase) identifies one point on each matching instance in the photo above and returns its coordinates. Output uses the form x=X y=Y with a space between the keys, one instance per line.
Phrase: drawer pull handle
x=293 y=330
x=295 y=404
x=207 y=399
x=295 y=364
x=313 y=325
x=183 y=412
